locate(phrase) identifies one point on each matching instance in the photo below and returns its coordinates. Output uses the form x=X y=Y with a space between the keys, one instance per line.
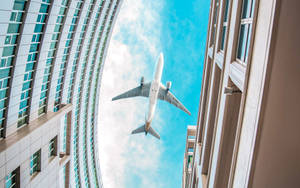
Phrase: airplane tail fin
x=153 y=133
x=142 y=129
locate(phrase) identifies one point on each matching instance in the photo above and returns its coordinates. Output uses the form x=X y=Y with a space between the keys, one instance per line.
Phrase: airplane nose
x=161 y=59
x=161 y=56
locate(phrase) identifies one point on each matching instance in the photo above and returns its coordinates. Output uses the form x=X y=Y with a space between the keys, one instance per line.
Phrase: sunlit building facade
x=52 y=58
x=248 y=123
x=189 y=154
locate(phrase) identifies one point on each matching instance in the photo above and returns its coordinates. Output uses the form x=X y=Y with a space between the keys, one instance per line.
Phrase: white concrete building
x=189 y=154
x=51 y=63
x=249 y=113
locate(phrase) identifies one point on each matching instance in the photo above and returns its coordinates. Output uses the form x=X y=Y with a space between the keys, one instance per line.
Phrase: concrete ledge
x=32 y=127
x=64 y=160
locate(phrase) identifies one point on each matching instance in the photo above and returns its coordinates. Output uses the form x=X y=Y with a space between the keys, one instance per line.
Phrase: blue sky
x=144 y=29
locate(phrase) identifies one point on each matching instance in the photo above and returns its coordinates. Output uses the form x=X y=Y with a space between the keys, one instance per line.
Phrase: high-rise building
x=249 y=113
x=52 y=57
x=189 y=154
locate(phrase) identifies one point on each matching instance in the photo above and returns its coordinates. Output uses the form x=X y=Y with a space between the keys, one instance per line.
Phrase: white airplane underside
x=153 y=90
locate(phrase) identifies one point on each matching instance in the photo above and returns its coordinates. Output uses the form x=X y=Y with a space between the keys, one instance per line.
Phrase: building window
x=225 y=25
x=19 y=5
x=214 y=24
x=13 y=28
x=53 y=147
x=12 y=179
x=35 y=162
x=245 y=30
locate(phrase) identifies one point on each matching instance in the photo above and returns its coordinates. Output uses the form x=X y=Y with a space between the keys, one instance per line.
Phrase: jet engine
x=169 y=85
x=142 y=81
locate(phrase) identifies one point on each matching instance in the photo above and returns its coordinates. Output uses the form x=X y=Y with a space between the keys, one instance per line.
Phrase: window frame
x=214 y=23
x=238 y=68
x=226 y=10
x=52 y=151
x=249 y=21
x=36 y=163
x=15 y=177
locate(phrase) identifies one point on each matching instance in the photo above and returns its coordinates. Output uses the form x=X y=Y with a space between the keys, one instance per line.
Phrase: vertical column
x=90 y=81
x=97 y=88
x=25 y=66
x=75 y=126
x=31 y=64
x=63 y=53
x=67 y=175
x=47 y=58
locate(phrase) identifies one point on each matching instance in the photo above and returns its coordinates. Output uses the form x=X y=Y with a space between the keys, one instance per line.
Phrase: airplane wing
x=166 y=95
x=142 y=90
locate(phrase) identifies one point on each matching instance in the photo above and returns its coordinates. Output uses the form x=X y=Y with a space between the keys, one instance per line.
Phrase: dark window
x=44 y=8
x=12 y=180
x=19 y=5
x=53 y=147
x=38 y=28
x=35 y=162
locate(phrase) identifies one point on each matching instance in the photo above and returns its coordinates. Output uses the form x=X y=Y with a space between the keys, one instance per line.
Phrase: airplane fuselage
x=154 y=89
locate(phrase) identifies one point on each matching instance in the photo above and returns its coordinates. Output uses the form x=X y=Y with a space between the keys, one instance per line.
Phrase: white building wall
x=51 y=170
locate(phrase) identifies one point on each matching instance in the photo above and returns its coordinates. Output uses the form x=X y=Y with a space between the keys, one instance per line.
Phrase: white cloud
x=133 y=49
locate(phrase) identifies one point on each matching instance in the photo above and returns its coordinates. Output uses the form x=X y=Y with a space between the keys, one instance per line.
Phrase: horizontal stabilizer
x=153 y=133
x=139 y=130
x=143 y=130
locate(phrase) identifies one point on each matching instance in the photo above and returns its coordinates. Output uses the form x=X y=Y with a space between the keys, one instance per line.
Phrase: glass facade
x=78 y=100
x=93 y=100
x=66 y=52
x=8 y=55
x=50 y=57
x=30 y=64
x=86 y=99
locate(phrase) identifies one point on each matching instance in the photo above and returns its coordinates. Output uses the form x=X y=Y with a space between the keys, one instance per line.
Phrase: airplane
x=154 y=90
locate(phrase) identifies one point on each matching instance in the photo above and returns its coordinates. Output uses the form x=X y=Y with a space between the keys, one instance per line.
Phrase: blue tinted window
x=13 y=28
x=8 y=51
x=38 y=28
x=4 y=73
x=44 y=8
x=19 y=5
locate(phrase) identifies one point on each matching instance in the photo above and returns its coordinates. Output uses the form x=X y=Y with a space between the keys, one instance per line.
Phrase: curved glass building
x=52 y=54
